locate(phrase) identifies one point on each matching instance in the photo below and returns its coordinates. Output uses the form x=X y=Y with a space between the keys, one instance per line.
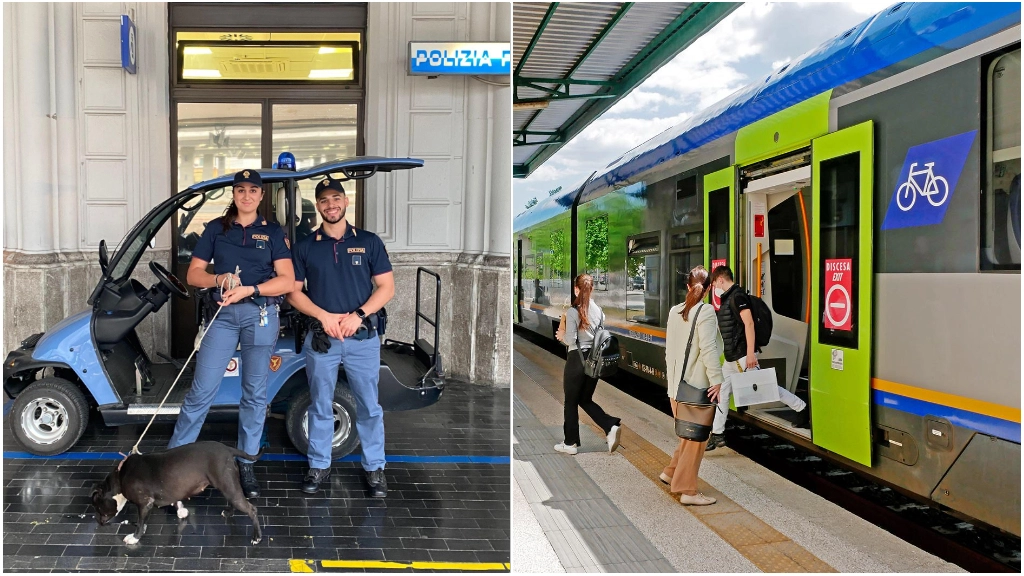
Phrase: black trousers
x=579 y=393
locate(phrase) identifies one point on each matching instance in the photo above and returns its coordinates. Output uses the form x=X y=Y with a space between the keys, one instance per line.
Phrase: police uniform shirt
x=338 y=272
x=253 y=248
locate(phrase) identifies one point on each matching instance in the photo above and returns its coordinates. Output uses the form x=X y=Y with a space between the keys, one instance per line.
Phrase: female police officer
x=242 y=239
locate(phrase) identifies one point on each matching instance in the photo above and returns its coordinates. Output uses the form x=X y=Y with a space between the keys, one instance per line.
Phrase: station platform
x=447 y=507
x=600 y=512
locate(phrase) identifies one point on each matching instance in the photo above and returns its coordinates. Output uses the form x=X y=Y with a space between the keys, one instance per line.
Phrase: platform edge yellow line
x=418 y=565
x=299 y=566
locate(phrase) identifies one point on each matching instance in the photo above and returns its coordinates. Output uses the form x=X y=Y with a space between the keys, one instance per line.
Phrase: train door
x=719 y=221
x=841 y=295
x=776 y=268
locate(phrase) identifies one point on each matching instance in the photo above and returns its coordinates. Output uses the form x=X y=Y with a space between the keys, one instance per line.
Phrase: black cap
x=328 y=183
x=251 y=176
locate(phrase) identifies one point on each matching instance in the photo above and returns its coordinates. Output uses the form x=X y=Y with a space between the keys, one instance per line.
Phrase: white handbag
x=755 y=387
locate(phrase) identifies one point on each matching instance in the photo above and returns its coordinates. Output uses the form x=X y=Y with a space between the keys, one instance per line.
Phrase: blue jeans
x=235 y=324
x=362 y=369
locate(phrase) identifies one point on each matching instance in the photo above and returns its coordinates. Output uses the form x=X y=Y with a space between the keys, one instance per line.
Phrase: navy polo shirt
x=338 y=272
x=253 y=248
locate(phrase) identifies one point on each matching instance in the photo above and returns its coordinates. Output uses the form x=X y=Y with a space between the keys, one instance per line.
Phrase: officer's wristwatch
x=255 y=291
x=360 y=313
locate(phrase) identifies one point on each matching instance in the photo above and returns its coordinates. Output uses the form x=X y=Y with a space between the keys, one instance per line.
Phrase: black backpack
x=762 y=315
x=604 y=356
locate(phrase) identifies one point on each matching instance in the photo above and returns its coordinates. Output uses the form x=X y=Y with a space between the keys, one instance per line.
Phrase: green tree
x=559 y=253
x=596 y=244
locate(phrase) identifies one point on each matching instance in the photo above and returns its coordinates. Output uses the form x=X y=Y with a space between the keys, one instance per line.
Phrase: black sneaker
x=378 y=484
x=311 y=483
x=803 y=418
x=715 y=441
x=247 y=475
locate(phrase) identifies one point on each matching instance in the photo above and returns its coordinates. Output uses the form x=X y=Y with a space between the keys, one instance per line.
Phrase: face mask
x=719 y=292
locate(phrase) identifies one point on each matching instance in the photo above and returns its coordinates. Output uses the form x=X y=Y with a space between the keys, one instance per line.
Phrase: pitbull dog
x=167 y=478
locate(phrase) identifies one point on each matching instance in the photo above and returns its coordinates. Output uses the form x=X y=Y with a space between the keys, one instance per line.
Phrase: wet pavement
x=448 y=504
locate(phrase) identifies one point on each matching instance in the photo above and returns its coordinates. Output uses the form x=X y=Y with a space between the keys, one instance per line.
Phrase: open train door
x=841 y=298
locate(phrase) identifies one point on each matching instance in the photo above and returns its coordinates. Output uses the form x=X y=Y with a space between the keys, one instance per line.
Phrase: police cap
x=328 y=183
x=250 y=176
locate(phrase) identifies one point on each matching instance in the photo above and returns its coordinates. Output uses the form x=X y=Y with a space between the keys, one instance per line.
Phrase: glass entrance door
x=214 y=139
x=218 y=138
x=314 y=134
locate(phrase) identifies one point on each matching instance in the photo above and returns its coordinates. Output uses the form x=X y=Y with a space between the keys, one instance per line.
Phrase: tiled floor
x=443 y=506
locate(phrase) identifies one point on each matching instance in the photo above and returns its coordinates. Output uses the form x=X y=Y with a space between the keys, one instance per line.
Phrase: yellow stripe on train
x=951 y=400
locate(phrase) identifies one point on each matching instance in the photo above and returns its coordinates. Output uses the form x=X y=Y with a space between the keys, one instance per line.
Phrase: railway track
x=973 y=547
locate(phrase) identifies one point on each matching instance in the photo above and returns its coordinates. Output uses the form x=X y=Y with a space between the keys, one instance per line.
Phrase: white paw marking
x=182 y=511
x=131 y=539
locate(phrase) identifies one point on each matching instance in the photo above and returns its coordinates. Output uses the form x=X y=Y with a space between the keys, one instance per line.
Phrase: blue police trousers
x=235 y=324
x=362 y=369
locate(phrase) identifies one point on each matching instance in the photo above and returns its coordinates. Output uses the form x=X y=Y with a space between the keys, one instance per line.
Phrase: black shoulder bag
x=695 y=412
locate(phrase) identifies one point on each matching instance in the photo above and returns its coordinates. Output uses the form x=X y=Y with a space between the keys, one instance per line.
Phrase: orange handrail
x=807 y=244
x=757 y=280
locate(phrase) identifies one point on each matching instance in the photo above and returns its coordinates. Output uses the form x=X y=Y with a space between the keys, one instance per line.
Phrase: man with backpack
x=736 y=321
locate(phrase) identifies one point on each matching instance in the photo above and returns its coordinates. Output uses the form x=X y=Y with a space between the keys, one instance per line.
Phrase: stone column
x=66 y=146
x=478 y=142
x=32 y=118
x=500 y=218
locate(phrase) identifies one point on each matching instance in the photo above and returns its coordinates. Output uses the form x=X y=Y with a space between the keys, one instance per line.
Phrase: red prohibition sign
x=838 y=294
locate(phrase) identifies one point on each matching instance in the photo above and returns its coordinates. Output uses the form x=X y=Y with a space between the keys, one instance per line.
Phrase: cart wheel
x=345 y=437
x=49 y=416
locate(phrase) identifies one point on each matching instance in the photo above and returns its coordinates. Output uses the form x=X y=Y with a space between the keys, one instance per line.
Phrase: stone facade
x=87 y=154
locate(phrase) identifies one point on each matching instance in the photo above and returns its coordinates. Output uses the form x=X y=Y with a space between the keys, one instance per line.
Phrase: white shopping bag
x=755 y=387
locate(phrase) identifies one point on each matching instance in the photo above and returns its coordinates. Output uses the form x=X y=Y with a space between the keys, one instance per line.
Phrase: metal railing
x=433 y=322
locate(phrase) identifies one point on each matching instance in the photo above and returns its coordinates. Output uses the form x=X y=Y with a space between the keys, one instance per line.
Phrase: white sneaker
x=613 y=438
x=665 y=478
x=566 y=449
x=696 y=500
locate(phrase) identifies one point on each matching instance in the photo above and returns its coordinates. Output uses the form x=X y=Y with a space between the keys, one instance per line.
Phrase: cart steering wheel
x=170 y=281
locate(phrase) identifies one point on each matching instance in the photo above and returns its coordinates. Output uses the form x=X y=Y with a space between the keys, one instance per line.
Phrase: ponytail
x=585 y=284
x=229 y=217
x=697 y=283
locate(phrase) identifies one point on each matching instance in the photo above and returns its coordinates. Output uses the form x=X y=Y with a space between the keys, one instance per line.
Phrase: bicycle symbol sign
x=927 y=180
x=935 y=188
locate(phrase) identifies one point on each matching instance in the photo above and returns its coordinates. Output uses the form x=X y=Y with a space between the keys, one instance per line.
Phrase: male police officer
x=341 y=264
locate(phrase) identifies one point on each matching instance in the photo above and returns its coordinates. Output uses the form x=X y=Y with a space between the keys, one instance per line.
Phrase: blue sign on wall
x=927 y=181
x=468 y=58
x=128 y=43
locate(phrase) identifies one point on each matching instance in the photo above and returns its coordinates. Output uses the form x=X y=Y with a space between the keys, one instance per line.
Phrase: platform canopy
x=573 y=61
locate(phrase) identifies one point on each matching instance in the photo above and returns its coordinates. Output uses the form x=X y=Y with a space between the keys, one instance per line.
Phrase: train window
x=686 y=250
x=686 y=187
x=643 y=266
x=718 y=225
x=595 y=238
x=1001 y=234
x=839 y=240
x=786 y=258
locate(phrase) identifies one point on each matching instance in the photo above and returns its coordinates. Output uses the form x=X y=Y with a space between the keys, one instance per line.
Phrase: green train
x=869 y=192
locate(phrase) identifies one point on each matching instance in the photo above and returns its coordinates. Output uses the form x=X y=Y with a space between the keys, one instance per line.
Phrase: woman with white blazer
x=704 y=370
